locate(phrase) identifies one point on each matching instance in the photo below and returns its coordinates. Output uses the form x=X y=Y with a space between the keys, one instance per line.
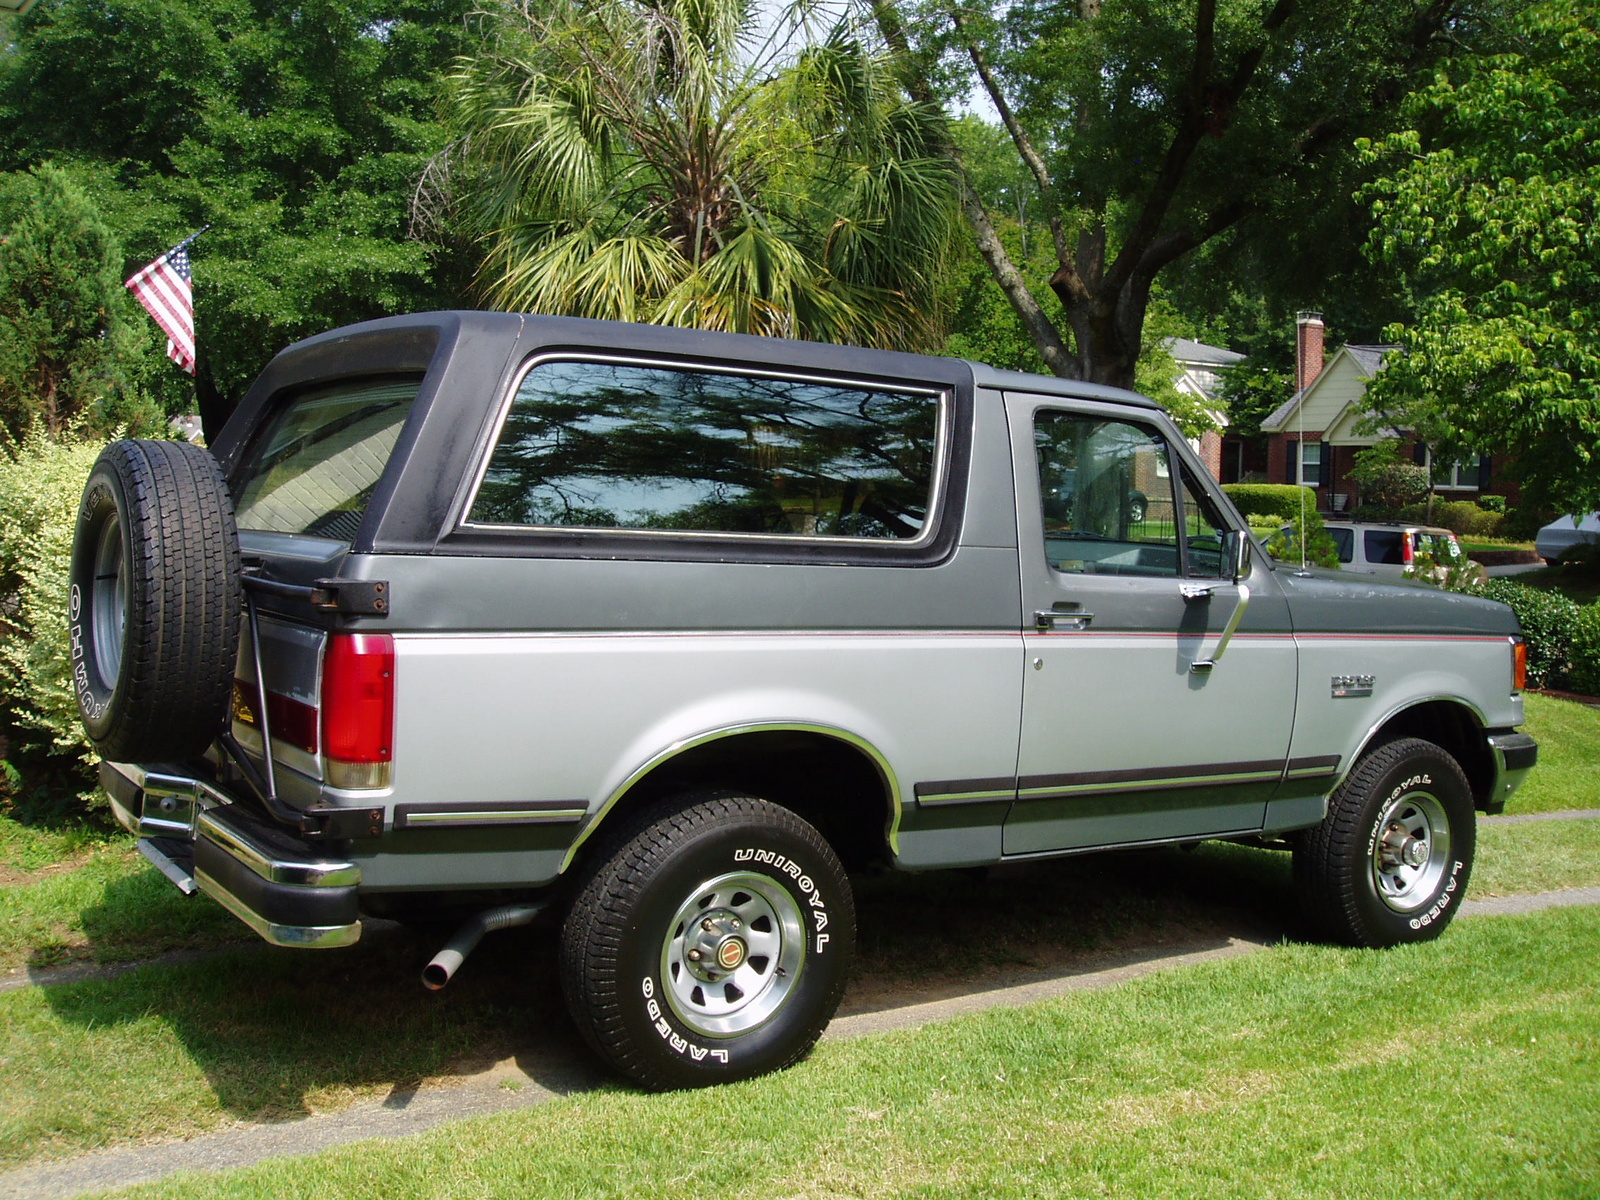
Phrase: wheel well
x=825 y=780
x=1452 y=727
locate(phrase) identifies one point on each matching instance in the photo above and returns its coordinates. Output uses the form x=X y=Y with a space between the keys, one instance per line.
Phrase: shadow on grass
x=280 y=1033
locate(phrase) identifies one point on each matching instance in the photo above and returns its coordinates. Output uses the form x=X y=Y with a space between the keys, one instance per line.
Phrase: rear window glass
x=1383 y=546
x=607 y=445
x=317 y=465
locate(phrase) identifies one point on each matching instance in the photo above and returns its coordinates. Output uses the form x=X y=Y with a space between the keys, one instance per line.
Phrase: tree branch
x=1019 y=135
x=1200 y=102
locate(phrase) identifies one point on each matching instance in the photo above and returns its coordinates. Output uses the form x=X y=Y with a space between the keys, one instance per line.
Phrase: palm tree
x=650 y=160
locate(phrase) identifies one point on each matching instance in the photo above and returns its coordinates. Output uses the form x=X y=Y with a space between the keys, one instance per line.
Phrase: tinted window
x=622 y=446
x=1106 y=497
x=317 y=465
x=1344 y=541
x=1383 y=546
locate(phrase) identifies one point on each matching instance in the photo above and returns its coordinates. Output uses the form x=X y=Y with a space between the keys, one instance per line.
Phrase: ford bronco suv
x=668 y=632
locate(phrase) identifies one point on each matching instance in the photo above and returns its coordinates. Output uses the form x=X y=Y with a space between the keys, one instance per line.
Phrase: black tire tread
x=607 y=895
x=185 y=605
x=1331 y=857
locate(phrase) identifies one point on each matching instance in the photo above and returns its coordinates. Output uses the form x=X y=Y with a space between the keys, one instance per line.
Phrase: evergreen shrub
x=1280 y=500
x=41 y=482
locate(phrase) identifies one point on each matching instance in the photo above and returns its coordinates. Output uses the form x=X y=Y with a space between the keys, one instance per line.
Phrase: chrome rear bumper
x=289 y=892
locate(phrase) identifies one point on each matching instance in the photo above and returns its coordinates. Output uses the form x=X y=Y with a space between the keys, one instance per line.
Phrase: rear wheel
x=1391 y=860
x=710 y=943
x=155 y=601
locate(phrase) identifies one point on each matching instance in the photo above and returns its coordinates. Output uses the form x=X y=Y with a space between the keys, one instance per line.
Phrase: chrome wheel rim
x=108 y=609
x=733 y=954
x=1411 y=851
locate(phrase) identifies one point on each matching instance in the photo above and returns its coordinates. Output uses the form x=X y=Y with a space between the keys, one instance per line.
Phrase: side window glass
x=1205 y=534
x=606 y=445
x=1106 y=496
x=1344 y=540
x=1383 y=546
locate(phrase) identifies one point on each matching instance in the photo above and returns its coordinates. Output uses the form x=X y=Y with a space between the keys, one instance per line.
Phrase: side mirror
x=1236 y=554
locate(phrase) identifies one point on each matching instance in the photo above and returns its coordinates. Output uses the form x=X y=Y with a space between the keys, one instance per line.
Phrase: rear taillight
x=293 y=721
x=1408 y=551
x=1519 y=664
x=358 y=709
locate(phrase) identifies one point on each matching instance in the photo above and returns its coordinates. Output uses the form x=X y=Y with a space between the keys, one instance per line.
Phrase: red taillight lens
x=358 y=708
x=293 y=721
x=1519 y=665
x=1408 y=551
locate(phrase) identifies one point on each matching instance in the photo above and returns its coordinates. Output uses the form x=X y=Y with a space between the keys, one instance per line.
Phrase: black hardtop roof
x=702 y=343
x=410 y=342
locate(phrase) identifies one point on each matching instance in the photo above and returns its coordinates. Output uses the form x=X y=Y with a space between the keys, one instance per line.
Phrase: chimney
x=1308 y=331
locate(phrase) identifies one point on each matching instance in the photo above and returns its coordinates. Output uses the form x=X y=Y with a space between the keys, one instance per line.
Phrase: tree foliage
x=1152 y=127
x=1489 y=217
x=296 y=132
x=649 y=162
x=67 y=349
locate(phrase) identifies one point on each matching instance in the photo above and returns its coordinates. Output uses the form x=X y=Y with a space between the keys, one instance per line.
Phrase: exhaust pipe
x=444 y=964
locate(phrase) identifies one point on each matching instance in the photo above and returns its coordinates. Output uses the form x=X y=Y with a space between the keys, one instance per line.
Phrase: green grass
x=1464 y=1067
x=1579 y=584
x=1568 y=773
x=1537 y=857
x=27 y=849
x=254 y=1032
x=261 y=1033
x=110 y=907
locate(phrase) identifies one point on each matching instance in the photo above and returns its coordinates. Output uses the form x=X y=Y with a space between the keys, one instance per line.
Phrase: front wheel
x=1390 y=862
x=710 y=945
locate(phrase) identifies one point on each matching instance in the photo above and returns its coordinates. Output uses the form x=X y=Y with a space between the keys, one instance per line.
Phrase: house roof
x=1192 y=353
x=1368 y=359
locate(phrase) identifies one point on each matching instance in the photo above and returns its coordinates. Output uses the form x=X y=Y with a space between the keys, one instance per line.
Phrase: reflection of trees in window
x=621 y=446
x=1089 y=470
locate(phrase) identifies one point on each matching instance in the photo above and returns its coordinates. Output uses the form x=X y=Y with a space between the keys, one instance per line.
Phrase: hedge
x=1584 y=674
x=1548 y=621
x=1282 y=500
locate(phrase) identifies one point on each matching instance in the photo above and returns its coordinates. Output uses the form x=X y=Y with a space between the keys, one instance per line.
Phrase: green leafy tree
x=297 y=132
x=66 y=345
x=650 y=162
x=1152 y=128
x=1489 y=217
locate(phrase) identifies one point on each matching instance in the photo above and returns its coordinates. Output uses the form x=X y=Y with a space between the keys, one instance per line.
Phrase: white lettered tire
x=711 y=941
x=1390 y=862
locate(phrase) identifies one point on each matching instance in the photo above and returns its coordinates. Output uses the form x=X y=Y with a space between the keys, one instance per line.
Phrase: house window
x=1311 y=464
x=1461 y=476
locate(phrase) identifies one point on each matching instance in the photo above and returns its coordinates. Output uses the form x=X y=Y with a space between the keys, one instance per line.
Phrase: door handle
x=1047 y=619
x=1201 y=665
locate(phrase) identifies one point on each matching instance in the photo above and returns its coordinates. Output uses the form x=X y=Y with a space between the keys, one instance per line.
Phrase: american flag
x=163 y=288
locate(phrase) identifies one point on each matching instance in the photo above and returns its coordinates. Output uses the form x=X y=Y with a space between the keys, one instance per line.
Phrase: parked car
x=1556 y=538
x=666 y=633
x=1389 y=548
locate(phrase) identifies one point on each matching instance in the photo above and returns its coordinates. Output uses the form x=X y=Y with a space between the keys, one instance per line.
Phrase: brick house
x=1313 y=437
x=1200 y=369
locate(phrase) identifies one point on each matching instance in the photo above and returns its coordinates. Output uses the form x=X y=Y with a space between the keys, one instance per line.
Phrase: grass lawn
x=1579 y=584
x=1568 y=774
x=1469 y=1066
x=169 y=1050
x=100 y=900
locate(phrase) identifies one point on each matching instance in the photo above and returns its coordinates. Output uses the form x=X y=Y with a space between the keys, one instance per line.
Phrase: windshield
x=316 y=467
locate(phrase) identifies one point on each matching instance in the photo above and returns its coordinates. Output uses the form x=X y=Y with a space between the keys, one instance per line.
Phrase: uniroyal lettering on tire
x=709 y=941
x=154 y=601
x=1392 y=858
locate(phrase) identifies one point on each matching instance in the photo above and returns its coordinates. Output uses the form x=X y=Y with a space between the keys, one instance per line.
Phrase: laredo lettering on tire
x=1390 y=862
x=710 y=942
x=155 y=601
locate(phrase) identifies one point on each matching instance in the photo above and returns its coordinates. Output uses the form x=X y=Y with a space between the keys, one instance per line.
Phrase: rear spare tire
x=155 y=601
